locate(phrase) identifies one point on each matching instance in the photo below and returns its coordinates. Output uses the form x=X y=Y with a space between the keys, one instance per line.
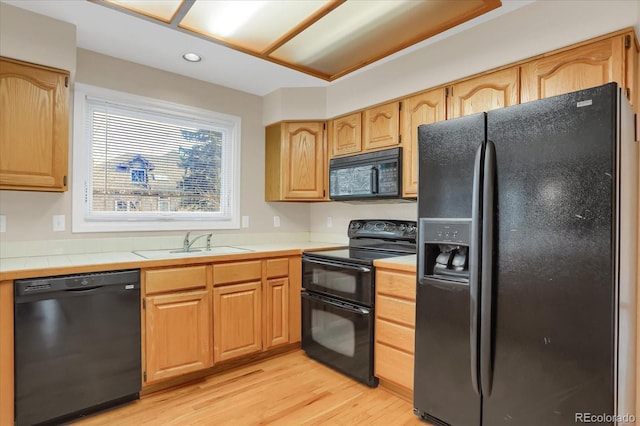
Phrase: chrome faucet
x=186 y=244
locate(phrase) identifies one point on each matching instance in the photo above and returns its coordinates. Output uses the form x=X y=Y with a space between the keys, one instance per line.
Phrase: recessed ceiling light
x=192 y=57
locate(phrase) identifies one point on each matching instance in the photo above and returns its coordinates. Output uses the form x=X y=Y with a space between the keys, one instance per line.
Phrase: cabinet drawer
x=395 y=283
x=396 y=335
x=394 y=365
x=162 y=280
x=397 y=310
x=237 y=272
x=277 y=267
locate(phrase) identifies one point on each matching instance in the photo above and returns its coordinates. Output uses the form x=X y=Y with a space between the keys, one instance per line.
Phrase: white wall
x=50 y=42
x=42 y=40
x=306 y=103
x=34 y=38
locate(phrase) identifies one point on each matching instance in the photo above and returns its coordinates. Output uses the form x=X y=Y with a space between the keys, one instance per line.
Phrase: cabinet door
x=34 y=127
x=6 y=353
x=632 y=69
x=304 y=162
x=425 y=108
x=576 y=69
x=178 y=334
x=237 y=320
x=381 y=126
x=345 y=135
x=484 y=93
x=276 y=312
x=395 y=326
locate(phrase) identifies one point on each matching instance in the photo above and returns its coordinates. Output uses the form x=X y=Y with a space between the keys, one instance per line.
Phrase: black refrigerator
x=527 y=251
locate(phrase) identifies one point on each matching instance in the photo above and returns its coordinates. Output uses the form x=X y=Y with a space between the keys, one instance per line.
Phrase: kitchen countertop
x=40 y=266
x=401 y=263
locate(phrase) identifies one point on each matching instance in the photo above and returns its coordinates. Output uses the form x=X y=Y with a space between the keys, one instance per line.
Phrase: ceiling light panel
x=162 y=10
x=361 y=32
x=324 y=38
x=250 y=24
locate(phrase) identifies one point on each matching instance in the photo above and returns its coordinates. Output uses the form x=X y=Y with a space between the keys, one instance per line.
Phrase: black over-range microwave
x=366 y=177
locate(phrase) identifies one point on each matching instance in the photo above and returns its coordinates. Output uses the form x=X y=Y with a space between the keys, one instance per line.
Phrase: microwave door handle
x=374 y=180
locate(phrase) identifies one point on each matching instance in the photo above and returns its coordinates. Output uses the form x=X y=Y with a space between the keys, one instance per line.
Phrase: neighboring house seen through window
x=142 y=164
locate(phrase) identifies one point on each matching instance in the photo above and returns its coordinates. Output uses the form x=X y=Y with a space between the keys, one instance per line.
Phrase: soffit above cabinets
x=323 y=38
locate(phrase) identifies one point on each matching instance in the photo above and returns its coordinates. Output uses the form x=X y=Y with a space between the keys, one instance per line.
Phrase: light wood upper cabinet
x=424 y=108
x=576 y=69
x=484 y=93
x=632 y=69
x=295 y=161
x=34 y=127
x=177 y=321
x=345 y=135
x=381 y=126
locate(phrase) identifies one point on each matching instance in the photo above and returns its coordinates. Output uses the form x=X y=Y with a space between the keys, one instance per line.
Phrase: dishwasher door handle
x=84 y=289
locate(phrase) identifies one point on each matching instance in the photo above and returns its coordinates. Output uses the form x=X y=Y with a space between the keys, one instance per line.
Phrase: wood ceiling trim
x=312 y=19
x=265 y=54
x=488 y=5
x=141 y=13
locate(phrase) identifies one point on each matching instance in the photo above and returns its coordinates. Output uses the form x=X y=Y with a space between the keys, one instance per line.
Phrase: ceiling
x=149 y=41
x=323 y=38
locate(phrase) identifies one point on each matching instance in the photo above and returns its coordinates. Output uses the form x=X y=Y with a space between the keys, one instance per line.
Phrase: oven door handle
x=362 y=269
x=349 y=308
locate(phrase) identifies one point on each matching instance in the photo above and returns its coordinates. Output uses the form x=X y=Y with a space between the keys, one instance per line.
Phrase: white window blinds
x=148 y=162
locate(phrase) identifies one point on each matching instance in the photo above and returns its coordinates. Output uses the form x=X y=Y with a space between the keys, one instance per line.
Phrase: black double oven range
x=338 y=295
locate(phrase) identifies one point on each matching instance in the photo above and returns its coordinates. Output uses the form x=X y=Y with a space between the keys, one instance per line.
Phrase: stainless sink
x=177 y=253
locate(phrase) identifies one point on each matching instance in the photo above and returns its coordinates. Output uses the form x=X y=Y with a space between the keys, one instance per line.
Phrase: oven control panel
x=400 y=229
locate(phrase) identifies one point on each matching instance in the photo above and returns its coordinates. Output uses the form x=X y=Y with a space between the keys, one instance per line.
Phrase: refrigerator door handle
x=474 y=268
x=486 y=290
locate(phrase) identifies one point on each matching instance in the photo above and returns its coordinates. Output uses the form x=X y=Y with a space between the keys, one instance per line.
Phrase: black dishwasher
x=77 y=345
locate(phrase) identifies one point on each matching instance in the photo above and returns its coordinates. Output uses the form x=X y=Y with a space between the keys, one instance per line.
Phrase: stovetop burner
x=374 y=239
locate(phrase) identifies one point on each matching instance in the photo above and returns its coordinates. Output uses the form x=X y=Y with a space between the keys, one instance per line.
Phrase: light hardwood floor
x=290 y=389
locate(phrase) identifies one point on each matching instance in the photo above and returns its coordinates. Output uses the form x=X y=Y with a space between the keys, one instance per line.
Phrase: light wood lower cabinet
x=395 y=327
x=6 y=352
x=177 y=321
x=237 y=323
x=177 y=333
x=276 y=304
x=245 y=307
x=253 y=306
x=278 y=298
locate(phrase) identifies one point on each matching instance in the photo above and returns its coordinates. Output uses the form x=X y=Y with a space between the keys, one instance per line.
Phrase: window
x=142 y=164
x=139 y=176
